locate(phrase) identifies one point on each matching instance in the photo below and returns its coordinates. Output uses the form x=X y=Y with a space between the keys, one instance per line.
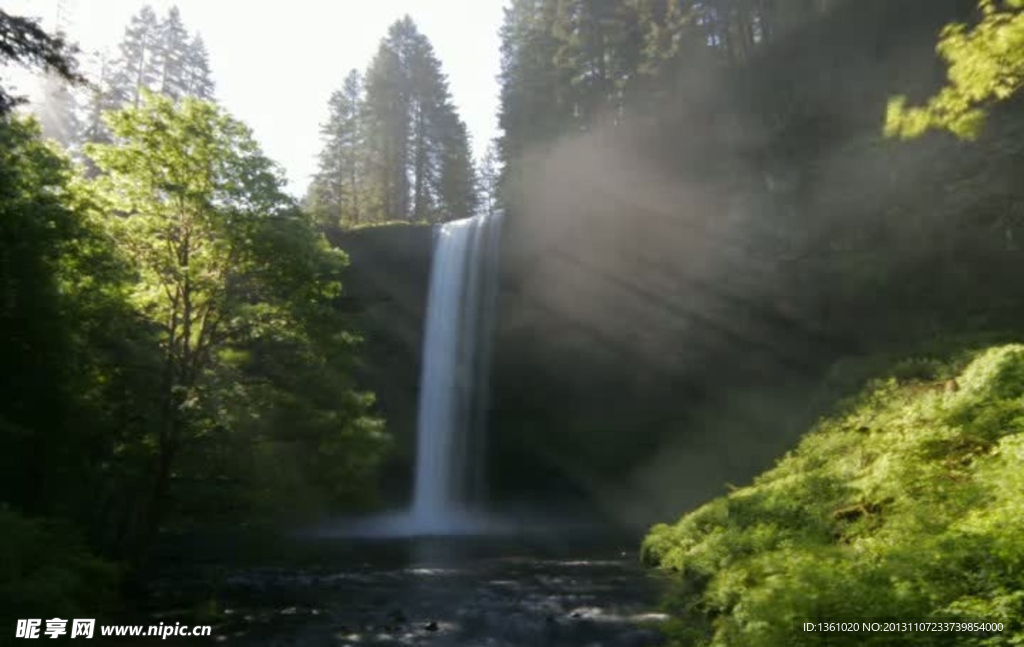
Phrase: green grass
x=906 y=505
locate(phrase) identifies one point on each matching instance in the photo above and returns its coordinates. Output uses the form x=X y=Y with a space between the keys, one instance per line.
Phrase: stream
x=440 y=592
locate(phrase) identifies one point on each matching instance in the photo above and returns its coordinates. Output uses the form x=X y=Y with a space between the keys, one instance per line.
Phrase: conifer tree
x=155 y=55
x=395 y=149
x=534 y=107
x=196 y=70
x=335 y=192
x=387 y=104
x=136 y=66
x=23 y=41
x=170 y=54
x=489 y=181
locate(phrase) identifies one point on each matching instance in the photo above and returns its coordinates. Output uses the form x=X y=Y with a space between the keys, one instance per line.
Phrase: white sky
x=276 y=63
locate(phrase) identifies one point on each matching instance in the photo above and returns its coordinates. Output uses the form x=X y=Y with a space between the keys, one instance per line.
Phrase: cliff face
x=643 y=355
x=600 y=362
x=386 y=291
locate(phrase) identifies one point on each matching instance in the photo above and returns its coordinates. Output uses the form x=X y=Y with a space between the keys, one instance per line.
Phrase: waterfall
x=457 y=339
x=455 y=367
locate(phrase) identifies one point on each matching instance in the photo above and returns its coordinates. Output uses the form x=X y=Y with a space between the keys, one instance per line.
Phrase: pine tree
x=137 y=66
x=101 y=98
x=398 y=150
x=335 y=192
x=387 y=130
x=597 y=55
x=489 y=181
x=196 y=71
x=170 y=54
x=155 y=55
x=23 y=41
x=428 y=99
x=534 y=106
x=457 y=185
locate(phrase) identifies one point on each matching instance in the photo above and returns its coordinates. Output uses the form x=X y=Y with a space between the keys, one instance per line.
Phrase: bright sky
x=276 y=63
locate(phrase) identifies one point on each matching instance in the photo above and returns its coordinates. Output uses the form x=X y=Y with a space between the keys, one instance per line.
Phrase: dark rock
x=431 y=626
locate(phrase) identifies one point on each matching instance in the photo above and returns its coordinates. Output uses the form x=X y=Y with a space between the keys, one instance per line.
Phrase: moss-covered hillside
x=908 y=505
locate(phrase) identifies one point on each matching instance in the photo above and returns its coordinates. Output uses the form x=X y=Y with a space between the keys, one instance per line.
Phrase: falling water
x=457 y=340
x=456 y=357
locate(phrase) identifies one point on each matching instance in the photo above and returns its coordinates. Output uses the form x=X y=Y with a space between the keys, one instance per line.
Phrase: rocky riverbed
x=435 y=592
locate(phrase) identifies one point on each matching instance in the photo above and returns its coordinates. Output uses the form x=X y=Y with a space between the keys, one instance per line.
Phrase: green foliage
x=905 y=505
x=567 y=65
x=45 y=568
x=170 y=327
x=986 y=65
x=256 y=406
x=24 y=42
x=72 y=345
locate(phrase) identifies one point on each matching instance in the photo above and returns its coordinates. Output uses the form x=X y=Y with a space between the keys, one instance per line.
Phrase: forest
x=717 y=343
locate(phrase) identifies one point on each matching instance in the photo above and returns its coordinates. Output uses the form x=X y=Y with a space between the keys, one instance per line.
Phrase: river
x=530 y=592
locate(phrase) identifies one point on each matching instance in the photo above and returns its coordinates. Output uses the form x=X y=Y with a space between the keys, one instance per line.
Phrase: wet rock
x=431 y=626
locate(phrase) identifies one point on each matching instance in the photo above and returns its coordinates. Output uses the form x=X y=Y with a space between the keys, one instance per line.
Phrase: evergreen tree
x=335 y=192
x=457 y=184
x=23 y=41
x=428 y=100
x=170 y=55
x=155 y=55
x=196 y=70
x=388 y=109
x=401 y=151
x=101 y=98
x=597 y=55
x=489 y=181
x=137 y=66
x=534 y=107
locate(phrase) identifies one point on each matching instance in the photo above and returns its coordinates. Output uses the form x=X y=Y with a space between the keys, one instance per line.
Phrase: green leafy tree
x=986 y=65
x=222 y=256
x=77 y=366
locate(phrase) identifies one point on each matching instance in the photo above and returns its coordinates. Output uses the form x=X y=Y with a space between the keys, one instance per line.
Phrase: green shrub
x=46 y=571
x=907 y=505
